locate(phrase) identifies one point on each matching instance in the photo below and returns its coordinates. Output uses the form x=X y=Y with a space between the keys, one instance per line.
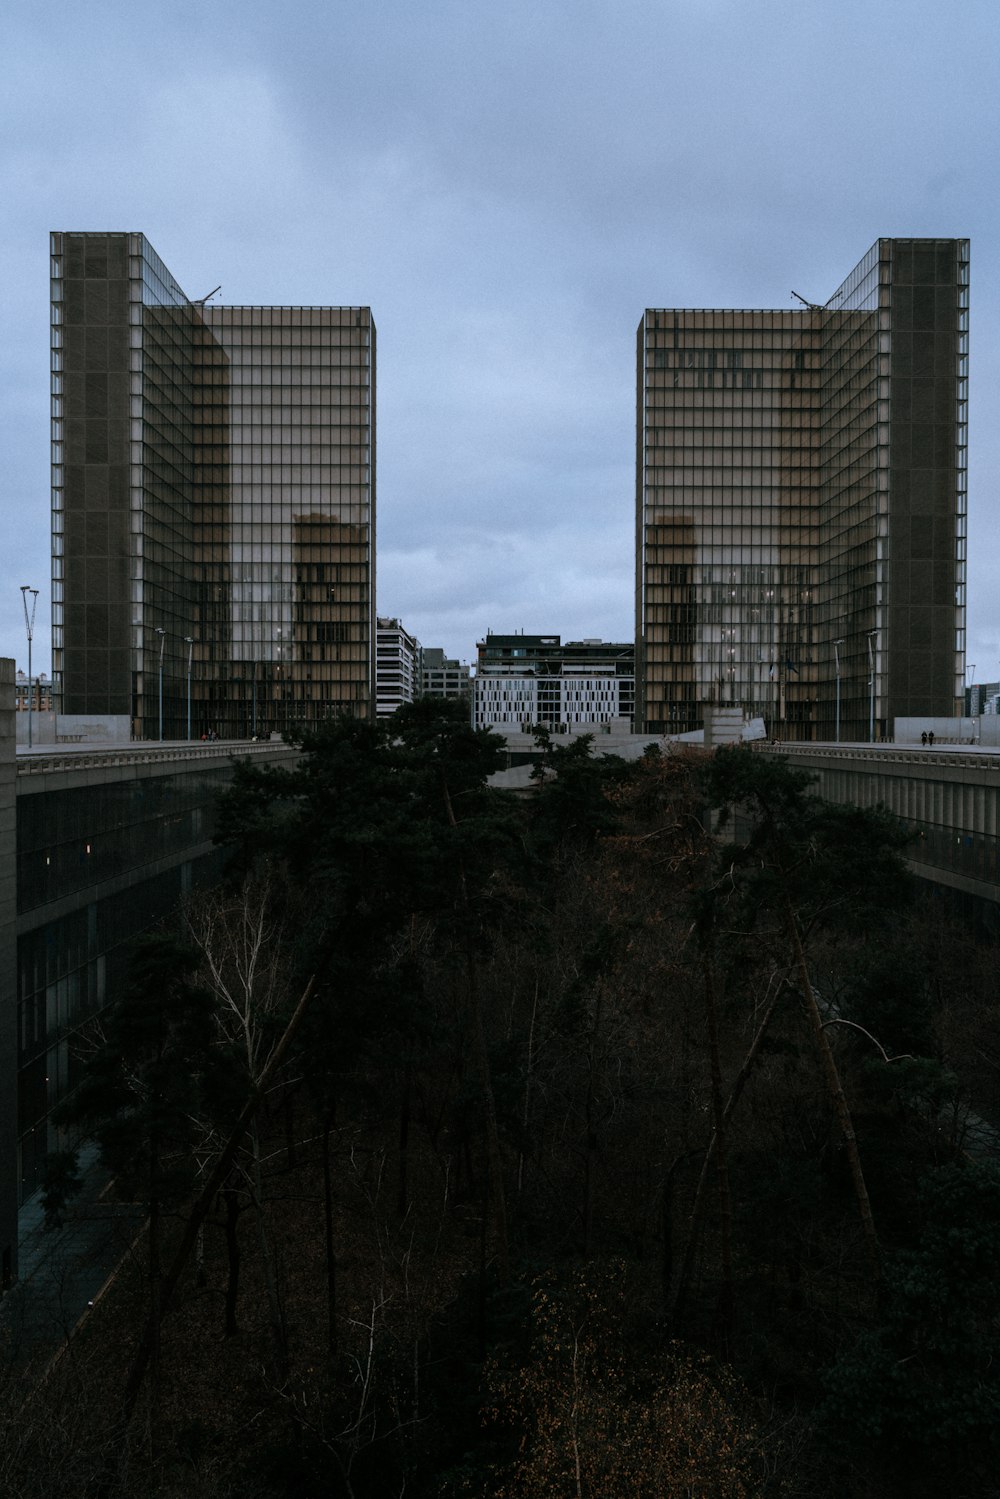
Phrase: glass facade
x=213 y=500
x=801 y=501
x=286 y=438
x=104 y=851
x=93 y=856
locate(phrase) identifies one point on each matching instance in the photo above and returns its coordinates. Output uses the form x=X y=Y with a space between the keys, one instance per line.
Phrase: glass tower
x=213 y=501
x=801 y=503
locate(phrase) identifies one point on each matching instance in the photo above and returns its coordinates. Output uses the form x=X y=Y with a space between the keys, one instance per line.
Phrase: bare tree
x=240 y=937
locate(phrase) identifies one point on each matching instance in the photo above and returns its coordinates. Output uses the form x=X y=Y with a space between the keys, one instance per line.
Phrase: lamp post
x=163 y=640
x=836 y=657
x=871 y=686
x=29 y=625
x=190 y=646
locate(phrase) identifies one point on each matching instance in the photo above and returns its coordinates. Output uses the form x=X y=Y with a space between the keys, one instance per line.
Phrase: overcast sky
x=507 y=187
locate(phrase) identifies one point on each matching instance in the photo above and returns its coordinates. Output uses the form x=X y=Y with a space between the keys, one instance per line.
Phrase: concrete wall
x=983 y=729
x=728 y=726
x=73 y=728
x=949 y=795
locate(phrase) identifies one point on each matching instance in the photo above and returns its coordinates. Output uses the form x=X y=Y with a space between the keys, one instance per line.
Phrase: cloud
x=507 y=189
x=557 y=579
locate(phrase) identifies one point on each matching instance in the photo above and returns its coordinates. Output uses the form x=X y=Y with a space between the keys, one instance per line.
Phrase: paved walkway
x=62 y=1271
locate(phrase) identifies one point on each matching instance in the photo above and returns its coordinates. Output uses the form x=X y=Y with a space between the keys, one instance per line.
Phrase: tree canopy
x=603 y=1138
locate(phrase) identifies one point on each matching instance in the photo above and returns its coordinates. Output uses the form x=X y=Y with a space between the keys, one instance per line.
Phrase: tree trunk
x=494 y=1173
x=331 y=1261
x=837 y=1098
x=203 y=1203
x=526 y=1108
x=402 y=1186
x=590 y=1129
x=155 y=1301
x=231 y=1201
x=279 y=1332
x=697 y=1208
x=667 y=1220
x=288 y=1114
x=155 y=1277
x=721 y=1166
x=482 y=1063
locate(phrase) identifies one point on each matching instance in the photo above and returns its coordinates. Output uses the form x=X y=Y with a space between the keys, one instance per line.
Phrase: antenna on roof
x=813 y=306
x=200 y=301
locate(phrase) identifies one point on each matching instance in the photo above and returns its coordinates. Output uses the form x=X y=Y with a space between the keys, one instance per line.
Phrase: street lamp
x=871 y=687
x=836 y=657
x=29 y=625
x=163 y=640
x=190 y=646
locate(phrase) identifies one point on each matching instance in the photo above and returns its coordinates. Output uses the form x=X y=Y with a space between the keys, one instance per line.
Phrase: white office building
x=397 y=667
x=525 y=680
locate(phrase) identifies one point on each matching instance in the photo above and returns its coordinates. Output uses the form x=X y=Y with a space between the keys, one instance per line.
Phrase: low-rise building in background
x=443 y=676
x=397 y=666
x=526 y=680
x=35 y=692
